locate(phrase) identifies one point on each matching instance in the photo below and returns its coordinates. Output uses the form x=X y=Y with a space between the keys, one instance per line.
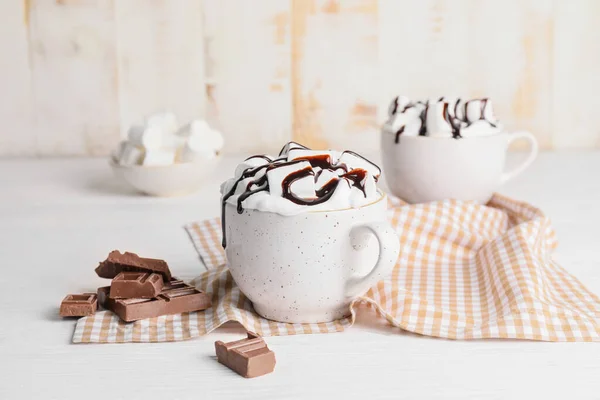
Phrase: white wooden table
x=58 y=218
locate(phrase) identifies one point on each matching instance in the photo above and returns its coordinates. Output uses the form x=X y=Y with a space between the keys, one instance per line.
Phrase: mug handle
x=533 y=151
x=389 y=250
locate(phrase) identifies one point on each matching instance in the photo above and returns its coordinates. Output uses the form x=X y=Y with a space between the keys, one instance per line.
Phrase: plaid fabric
x=465 y=271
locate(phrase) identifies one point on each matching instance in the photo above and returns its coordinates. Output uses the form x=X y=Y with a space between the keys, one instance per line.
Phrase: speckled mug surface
x=309 y=267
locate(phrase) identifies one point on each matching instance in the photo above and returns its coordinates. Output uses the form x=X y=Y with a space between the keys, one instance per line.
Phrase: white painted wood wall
x=75 y=73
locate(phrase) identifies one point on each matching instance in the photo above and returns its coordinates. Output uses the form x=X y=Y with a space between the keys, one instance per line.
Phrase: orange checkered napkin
x=465 y=271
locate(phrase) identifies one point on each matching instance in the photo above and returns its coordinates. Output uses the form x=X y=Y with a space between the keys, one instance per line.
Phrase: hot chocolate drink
x=305 y=232
x=447 y=148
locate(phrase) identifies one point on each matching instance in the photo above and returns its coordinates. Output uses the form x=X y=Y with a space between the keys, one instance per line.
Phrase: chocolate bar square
x=142 y=285
x=79 y=305
x=116 y=263
x=248 y=357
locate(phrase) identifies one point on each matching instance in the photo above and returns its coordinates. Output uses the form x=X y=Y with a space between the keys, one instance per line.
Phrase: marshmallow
x=159 y=157
x=342 y=196
x=406 y=118
x=304 y=188
x=354 y=160
x=211 y=138
x=191 y=153
x=196 y=142
x=276 y=175
x=488 y=112
x=199 y=126
x=150 y=138
x=369 y=184
x=297 y=153
x=479 y=109
x=410 y=120
x=195 y=149
x=165 y=122
x=459 y=110
x=437 y=124
x=398 y=105
x=324 y=176
x=130 y=155
x=473 y=110
x=479 y=118
x=201 y=142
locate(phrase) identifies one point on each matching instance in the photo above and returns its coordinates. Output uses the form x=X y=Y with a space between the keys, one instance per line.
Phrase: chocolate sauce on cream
x=356 y=177
x=288 y=147
x=450 y=115
x=321 y=195
x=483 y=106
x=266 y=158
x=456 y=107
x=484 y=103
x=452 y=121
x=393 y=107
x=400 y=132
x=423 y=117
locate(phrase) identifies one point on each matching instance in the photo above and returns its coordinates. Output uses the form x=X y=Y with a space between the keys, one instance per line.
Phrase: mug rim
x=381 y=198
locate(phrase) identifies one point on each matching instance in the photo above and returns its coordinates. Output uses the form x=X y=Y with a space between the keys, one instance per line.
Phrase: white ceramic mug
x=309 y=267
x=419 y=169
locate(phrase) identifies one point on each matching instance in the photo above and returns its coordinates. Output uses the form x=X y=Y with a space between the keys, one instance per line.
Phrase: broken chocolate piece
x=79 y=305
x=116 y=263
x=248 y=357
x=175 y=298
x=141 y=285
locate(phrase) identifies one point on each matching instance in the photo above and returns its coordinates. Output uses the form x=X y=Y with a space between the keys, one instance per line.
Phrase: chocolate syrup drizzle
x=423 y=118
x=393 y=107
x=289 y=147
x=261 y=157
x=393 y=110
x=452 y=119
x=400 y=132
x=324 y=161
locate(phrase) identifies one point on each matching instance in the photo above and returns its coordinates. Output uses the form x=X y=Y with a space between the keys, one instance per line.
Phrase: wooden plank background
x=76 y=73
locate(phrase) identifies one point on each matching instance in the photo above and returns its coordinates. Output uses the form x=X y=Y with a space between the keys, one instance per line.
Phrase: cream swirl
x=444 y=117
x=300 y=180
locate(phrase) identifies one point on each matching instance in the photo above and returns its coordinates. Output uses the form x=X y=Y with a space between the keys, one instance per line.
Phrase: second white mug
x=420 y=169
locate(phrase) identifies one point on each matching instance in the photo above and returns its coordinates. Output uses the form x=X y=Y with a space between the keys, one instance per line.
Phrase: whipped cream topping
x=301 y=180
x=444 y=117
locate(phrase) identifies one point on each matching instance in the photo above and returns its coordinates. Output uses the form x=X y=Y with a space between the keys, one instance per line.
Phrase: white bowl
x=166 y=181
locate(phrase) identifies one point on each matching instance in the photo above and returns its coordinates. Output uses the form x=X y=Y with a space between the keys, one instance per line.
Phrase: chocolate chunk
x=175 y=298
x=248 y=357
x=116 y=263
x=79 y=305
x=142 y=285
